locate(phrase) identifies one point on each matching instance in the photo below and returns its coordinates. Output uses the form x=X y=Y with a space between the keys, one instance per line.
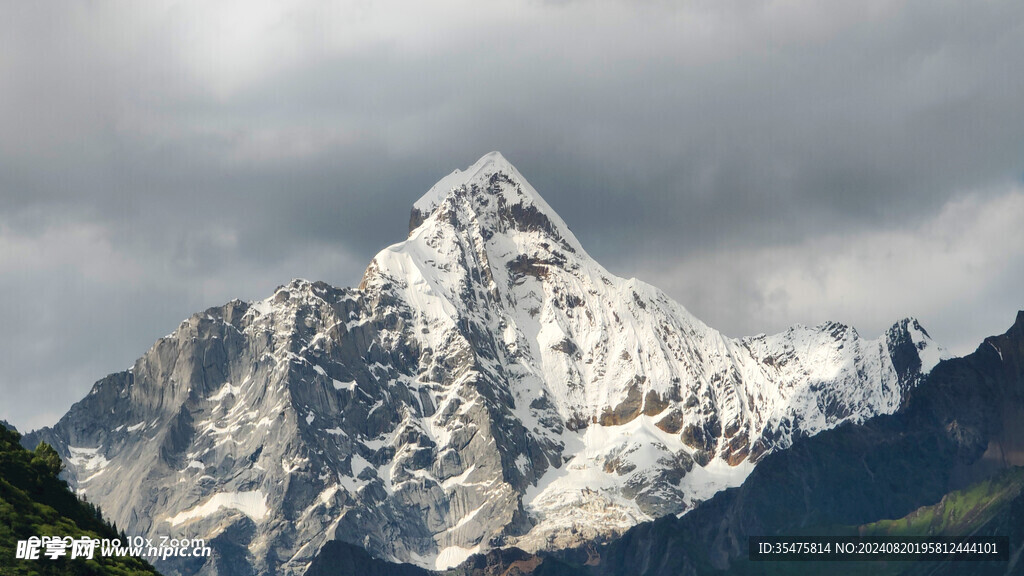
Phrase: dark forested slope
x=35 y=502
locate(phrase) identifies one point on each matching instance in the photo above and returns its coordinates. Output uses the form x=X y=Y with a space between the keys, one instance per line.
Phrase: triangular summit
x=492 y=186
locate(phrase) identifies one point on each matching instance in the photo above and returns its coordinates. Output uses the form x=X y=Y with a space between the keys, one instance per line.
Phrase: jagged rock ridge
x=488 y=383
x=962 y=426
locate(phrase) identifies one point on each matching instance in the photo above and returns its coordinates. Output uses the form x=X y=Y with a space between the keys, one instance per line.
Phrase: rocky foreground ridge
x=487 y=384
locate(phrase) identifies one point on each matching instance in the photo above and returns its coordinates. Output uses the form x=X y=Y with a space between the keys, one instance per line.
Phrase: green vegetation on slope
x=959 y=513
x=991 y=507
x=35 y=502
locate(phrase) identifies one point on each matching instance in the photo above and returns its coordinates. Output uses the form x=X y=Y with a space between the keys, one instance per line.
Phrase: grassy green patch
x=958 y=513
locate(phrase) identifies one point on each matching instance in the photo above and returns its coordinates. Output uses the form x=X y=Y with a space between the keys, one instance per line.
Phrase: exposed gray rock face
x=487 y=384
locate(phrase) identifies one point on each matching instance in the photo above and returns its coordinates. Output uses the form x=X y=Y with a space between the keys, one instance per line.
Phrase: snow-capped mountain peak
x=487 y=164
x=478 y=173
x=494 y=196
x=487 y=383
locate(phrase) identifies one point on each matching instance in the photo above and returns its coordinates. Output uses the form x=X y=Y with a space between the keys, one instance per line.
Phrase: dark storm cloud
x=157 y=159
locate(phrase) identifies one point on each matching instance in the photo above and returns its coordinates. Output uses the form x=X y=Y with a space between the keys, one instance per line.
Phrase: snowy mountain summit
x=487 y=384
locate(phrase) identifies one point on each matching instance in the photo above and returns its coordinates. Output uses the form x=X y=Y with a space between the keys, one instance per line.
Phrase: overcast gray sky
x=765 y=163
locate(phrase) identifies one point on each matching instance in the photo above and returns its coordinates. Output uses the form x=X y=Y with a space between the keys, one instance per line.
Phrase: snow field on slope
x=252 y=503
